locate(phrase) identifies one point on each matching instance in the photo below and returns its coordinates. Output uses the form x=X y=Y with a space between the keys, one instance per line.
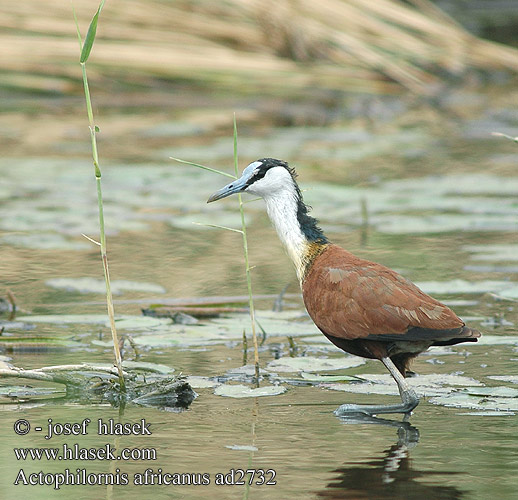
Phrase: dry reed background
x=379 y=46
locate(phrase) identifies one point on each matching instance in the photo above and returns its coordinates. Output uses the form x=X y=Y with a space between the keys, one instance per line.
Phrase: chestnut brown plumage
x=362 y=307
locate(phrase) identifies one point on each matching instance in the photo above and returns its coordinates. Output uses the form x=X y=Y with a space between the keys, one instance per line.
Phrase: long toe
x=352 y=410
x=410 y=401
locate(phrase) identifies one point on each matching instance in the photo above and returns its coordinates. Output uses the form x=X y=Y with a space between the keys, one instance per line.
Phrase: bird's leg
x=408 y=396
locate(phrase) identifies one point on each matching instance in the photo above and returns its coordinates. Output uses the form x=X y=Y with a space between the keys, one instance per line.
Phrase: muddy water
x=430 y=194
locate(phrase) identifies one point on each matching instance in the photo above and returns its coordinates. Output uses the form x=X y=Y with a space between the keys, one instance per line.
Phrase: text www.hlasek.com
x=75 y=452
x=149 y=477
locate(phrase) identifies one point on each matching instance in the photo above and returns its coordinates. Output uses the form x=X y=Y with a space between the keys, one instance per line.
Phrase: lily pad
x=243 y=391
x=124 y=322
x=197 y=382
x=465 y=400
x=248 y=370
x=432 y=379
x=192 y=335
x=142 y=322
x=314 y=364
x=35 y=343
x=424 y=385
x=147 y=366
x=498 y=392
x=497 y=340
x=488 y=413
x=466 y=287
x=16 y=391
x=94 y=285
x=310 y=377
x=443 y=223
x=505 y=378
x=368 y=388
x=241 y=447
x=274 y=324
x=64 y=319
x=497 y=253
x=45 y=241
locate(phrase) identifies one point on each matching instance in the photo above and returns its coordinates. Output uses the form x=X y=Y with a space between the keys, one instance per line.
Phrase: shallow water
x=440 y=197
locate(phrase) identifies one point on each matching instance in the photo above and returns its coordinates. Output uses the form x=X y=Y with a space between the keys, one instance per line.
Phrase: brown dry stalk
x=344 y=43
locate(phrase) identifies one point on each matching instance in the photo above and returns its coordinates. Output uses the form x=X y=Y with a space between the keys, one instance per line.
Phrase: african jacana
x=362 y=307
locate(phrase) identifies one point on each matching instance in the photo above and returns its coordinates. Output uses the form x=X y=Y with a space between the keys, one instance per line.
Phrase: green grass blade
x=90 y=35
x=236 y=168
x=77 y=29
x=219 y=227
x=220 y=172
x=247 y=263
x=499 y=134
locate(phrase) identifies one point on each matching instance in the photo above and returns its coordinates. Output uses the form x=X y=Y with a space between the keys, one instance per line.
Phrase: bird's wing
x=352 y=298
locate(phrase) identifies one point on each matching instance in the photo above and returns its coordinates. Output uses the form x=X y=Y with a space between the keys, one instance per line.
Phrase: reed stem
x=245 y=245
x=247 y=263
x=85 y=53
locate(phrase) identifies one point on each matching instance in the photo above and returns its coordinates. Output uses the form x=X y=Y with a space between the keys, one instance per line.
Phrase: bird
x=362 y=307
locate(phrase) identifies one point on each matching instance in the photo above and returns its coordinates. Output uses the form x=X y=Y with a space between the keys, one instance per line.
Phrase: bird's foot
x=351 y=410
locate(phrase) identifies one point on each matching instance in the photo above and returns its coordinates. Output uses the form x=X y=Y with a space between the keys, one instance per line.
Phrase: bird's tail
x=467 y=334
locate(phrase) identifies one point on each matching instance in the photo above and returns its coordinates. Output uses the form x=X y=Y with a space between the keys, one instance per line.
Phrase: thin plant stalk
x=85 y=53
x=247 y=264
x=245 y=244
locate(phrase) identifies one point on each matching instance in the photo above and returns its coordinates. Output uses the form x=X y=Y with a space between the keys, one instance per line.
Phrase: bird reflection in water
x=390 y=476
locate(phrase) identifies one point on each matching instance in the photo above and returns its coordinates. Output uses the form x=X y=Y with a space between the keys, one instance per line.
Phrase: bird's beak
x=232 y=188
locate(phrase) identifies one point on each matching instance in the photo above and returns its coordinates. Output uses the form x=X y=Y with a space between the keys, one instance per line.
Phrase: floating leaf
x=248 y=370
x=241 y=447
x=497 y=392
x=34 y=343
x=141 y=322
x=505 y=378
x=243 y=391
x=64 y=319
x=463 y=286
x=493 y=252
x=44 y=241
x=328 y=378
x=489 y=413
x=443 y=223
x=424 y=385
x=313 y=364
x=16 y=391
x=432 y=379
x=274 y=326
x=464 y=400
x=367 y=388
x=197 y=382
x=193 y=335
x=497 y=340
x=147 y=366
x=94 y=285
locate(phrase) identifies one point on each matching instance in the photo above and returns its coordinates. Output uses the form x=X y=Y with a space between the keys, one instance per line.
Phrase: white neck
x=282 y=210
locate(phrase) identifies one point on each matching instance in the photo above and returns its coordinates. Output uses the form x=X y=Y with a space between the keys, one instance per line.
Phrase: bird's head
x=265 y=177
